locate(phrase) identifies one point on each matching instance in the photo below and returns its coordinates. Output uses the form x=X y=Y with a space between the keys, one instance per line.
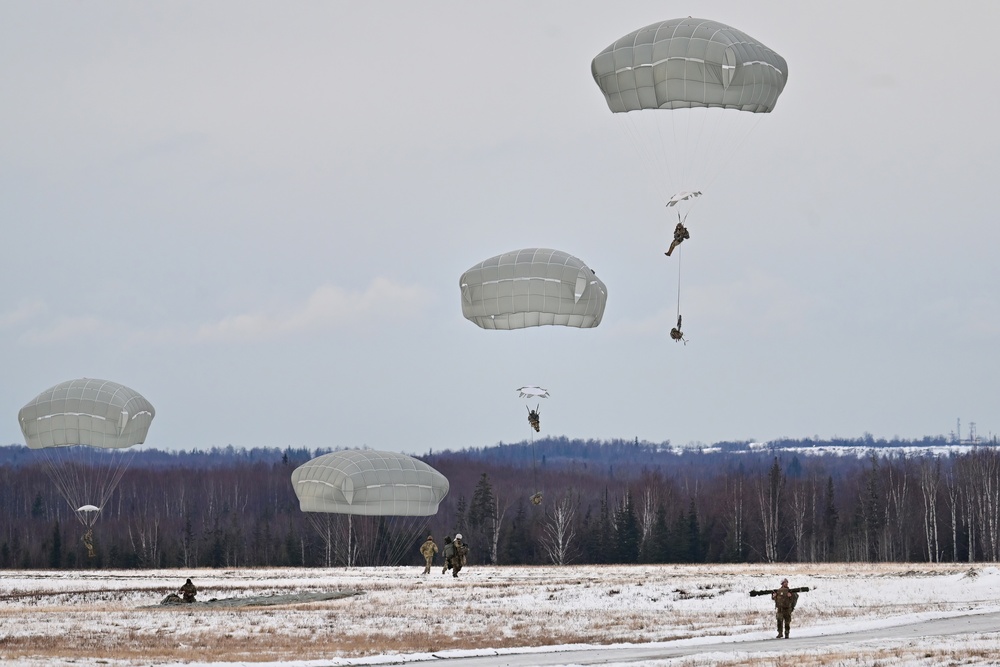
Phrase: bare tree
x=734 y=517
x=799 y=504
x=558 y=532
x=897 y=547
x=500 y=508
x=930 y=476
x=649 y=500
x=769 y=490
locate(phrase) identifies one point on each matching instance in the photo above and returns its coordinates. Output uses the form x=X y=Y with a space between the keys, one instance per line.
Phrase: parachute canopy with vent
x=530 y=288
x=685 y=63
x=368 y=506
x=370 y=483
x=84 y=430
x=688 y=91
x=95 y=413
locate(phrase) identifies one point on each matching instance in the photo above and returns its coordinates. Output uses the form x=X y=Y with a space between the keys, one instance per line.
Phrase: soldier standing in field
x=427 y=550
x=784 y=604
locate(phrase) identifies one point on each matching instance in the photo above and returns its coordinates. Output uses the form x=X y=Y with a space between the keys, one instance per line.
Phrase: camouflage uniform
x=784 y=604
x=188 y=590
x=427 y=550
x=449 y=553
x=680 y=233
x=458 y=560
x=535 y=419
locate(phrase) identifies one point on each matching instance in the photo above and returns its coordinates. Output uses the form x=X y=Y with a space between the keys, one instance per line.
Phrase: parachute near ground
x=530 y=288
x=368 y=506
x=84 y=430
x=688 y=91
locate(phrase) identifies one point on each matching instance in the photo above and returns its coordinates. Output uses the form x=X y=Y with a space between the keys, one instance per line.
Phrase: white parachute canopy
x=683 y=195
x=687 y=92
x=368 y=505
x=84 y=430
x=532 y=392
x=532 y=287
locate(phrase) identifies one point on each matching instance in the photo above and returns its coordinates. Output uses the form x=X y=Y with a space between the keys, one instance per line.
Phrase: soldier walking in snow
x=449 y=553
x=427 y=550
x=458 y=560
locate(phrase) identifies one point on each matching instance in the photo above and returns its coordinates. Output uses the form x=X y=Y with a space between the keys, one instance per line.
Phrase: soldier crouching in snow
x=188 y=591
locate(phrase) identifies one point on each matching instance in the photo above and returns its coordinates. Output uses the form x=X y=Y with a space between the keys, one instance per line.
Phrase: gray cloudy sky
x=256 y=214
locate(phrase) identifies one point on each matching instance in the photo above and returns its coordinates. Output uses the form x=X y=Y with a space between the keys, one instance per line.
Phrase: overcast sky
x=256 y=215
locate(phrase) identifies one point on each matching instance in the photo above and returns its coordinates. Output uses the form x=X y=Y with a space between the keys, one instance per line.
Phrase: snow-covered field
x=97 y=617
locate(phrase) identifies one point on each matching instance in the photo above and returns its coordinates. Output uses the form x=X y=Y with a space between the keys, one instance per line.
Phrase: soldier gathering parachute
x=84 y=429
x=368 y=506
x=530 y=288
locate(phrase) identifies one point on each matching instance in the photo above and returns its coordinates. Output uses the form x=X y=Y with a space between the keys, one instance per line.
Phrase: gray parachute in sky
x=83 y=430
x=95 y=413
x=687 y=93
x=366 y=482
x=689 y=62
x=530 y=288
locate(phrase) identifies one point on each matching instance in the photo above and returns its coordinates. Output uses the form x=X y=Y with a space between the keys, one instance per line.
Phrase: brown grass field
x=89 y=618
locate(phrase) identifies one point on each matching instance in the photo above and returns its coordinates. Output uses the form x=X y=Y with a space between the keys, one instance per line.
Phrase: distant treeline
x=616 y=501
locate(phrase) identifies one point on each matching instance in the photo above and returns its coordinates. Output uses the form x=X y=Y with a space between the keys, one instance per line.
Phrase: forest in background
x=603 y=502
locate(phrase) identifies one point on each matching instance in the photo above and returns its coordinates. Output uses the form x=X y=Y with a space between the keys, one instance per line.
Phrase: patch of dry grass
x=400 y=612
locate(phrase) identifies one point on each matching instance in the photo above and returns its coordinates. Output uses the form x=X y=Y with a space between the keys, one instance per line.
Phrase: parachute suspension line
x=738 y=135
x=534 y=459
x=680 y=253
x=652 y=154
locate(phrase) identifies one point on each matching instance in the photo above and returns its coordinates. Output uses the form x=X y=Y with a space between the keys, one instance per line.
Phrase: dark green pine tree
x=517 y=547
x=461 y=507
x=679 y=546
x=482 y=515
x=657 y=547
x=627 y=532
x=589 y=547
x=830 y=519
x=55 y=552
x=607 y=548
x=695 y=549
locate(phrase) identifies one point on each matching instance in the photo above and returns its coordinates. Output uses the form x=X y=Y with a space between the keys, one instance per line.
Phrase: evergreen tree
x=482 y=515
x=627 y=532
x=830 y=518
x=55 y=551
x=657 y=547
x=460 y=510
x=695 y=550
x=517 y=545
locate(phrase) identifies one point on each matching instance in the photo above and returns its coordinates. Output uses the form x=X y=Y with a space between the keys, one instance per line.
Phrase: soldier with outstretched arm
x=785 y=599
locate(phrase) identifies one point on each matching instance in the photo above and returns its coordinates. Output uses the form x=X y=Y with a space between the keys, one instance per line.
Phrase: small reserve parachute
x=530 y=288
x=368 y=506
x=84 y=430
